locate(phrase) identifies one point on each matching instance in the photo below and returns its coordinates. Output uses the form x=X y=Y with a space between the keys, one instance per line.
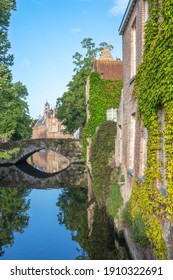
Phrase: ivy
x=104 y=94
x=153 y=88
x=101 y=151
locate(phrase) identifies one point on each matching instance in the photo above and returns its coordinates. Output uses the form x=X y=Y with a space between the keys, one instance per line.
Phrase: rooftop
x=108 y=67
x=126 y=16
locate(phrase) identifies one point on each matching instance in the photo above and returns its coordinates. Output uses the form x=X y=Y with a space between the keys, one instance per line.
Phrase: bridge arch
x=70 y=148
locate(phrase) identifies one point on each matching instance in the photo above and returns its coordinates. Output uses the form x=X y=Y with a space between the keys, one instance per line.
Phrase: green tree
x=14 y=113
x=6 y=7
x=71 y=108
x=16 y=116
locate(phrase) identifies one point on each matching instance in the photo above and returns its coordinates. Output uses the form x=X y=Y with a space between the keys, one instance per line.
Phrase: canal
x=49 y=222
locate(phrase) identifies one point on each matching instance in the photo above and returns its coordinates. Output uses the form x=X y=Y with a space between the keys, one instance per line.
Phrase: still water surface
x=54 y=224
x=44 y=238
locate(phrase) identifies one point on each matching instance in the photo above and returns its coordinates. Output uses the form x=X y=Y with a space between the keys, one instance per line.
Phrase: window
x=133 y=49
x=146 y=10
x=120 y=143
x=132 y=141
x=111 y=114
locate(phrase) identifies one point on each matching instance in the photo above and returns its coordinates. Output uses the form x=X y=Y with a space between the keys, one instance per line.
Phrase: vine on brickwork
x=104 y=94
x=154 y=89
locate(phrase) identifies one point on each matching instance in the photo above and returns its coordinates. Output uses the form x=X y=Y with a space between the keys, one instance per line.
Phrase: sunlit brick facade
x=48 y=126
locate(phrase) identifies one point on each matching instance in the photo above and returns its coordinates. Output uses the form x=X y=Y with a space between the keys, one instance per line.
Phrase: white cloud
x=119 y=7
x=76 y=30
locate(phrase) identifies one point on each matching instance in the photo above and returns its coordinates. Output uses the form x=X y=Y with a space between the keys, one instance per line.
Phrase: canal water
x=53 y=223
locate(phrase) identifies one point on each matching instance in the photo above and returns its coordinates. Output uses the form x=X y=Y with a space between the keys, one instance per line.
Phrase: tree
x=6 y=7
x=71 y=107
x=14 y=113
x=16 y=116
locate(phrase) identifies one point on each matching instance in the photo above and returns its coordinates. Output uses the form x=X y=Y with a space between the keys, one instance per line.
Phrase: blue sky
x=45 y=34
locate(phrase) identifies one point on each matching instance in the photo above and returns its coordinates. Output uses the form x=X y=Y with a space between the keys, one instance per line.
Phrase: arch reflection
x=48 y=161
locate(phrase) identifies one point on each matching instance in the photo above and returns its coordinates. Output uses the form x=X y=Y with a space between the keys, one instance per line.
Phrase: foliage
x=138 y=231
x=126 y=214
x=114 y=200
x=86 y=62
x=13 y=215
x=102 y=246
x=14 y=115
x=154 y=90
x=104 y=94
x=71 y=107
x=9 y=154
x=6 y=6
x=73 y=214
x=102 y=149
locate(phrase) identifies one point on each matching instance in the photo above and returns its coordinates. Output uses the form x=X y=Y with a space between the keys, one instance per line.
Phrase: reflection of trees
x=13 y=216
x=73 y=214
x=102 y=245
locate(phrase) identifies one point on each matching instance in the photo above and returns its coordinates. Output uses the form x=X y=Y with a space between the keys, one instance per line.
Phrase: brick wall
x=51 y=129
x=128 y=124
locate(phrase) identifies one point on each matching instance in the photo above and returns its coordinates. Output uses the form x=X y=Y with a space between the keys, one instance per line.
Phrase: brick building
x=133 y=153
x=48 y=126
x=109 y=69
x=132 y=137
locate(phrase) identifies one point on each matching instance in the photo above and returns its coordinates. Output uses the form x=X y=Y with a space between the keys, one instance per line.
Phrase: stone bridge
x=16 y=172
x=17 y=151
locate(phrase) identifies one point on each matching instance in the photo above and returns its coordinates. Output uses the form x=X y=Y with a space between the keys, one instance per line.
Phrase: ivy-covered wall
x=154 y=90
x=104 y=94
x=101 y=151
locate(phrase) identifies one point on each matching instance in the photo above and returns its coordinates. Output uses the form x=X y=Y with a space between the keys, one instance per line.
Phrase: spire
x=106 y=55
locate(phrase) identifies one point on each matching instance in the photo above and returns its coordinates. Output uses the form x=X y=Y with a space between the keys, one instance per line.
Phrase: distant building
x=48 y=126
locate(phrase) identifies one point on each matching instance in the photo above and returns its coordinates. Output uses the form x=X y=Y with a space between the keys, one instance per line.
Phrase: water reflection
x=72 y=239
x=98 y=244
x=13 y=215
x=48 y=161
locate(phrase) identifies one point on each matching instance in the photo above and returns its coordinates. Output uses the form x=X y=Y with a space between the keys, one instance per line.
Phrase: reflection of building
x=48 y=126
x=48 y=161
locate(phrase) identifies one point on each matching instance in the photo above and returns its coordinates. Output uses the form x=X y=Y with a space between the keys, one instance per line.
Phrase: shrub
x=114 y=200
x=138 y=231
x=126 y=214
